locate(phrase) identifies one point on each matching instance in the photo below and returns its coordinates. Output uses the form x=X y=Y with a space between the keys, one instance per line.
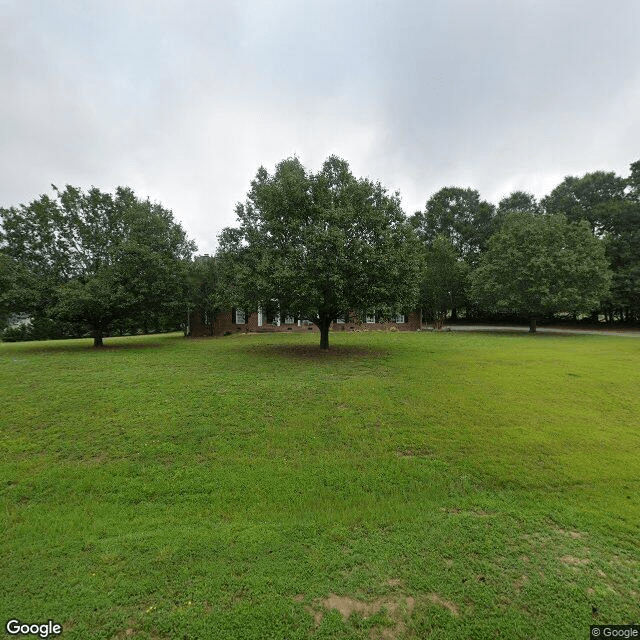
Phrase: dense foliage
x=321 y=246
x=93 y=259
x=538 y=266
x=208 y=293
x=444 y=280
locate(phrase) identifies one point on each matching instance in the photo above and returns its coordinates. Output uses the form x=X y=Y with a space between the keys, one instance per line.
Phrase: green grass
x=427 y=485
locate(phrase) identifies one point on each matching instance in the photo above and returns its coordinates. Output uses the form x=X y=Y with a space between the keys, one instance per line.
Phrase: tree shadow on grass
x=518 y=333
x=314 y=352
x=85 y=345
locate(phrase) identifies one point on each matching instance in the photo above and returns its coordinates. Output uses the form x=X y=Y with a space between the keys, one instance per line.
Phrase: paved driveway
x=560 y=330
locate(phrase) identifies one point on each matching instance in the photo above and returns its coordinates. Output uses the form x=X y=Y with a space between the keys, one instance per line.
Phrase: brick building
x=236 y=321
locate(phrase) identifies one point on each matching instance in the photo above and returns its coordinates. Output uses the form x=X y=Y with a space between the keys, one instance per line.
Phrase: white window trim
x=340 y=320
x=289 y=320
x=400 y=319
x=259 y=316
x=240 y=314
x=371 y=319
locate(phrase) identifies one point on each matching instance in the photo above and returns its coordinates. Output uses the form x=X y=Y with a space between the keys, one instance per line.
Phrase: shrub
x=16 y=334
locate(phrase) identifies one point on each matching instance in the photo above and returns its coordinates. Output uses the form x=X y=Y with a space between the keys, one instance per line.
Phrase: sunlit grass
x=444 y=485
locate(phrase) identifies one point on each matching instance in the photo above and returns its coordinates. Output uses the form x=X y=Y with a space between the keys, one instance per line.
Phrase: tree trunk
x=323 y=325
x=97 y=338
x=532 y=324
x=454 y=314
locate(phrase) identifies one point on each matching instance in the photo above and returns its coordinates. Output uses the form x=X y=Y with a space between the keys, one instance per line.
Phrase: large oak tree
x=94 y=257
x=320 y=246
x=539 y=265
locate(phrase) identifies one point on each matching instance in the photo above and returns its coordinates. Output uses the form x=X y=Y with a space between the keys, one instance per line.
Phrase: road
x=559 y=330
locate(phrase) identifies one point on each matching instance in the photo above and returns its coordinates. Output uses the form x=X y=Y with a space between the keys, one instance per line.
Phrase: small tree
x=321 y=245
x=538 y=265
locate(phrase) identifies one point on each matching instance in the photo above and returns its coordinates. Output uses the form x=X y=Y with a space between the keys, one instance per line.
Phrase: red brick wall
x=224 y=323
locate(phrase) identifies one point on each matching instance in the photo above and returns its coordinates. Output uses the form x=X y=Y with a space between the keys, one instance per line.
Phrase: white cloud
x=183 y=101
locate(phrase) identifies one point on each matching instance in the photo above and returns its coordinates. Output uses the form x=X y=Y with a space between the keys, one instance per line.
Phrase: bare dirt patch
x=576 y=535
x=398 y=607
x=576 y=562
x=478 y=513
x=415 y=453
x=347 y=606
x=520 y=582
x=316 y=614
x=447 y=604
x=94 y=460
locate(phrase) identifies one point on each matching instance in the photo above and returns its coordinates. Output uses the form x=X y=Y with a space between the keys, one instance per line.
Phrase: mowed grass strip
x=400 y=486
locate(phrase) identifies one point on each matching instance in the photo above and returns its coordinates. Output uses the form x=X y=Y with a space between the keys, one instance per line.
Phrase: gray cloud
x=184 y=100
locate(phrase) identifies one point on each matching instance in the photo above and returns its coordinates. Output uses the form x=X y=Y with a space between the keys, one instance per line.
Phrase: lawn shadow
x=314 y=352
x=85 y=345
x=519 y=333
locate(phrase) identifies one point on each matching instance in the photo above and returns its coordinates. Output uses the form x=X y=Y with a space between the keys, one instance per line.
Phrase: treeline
x=498 y=261
x=91 y=263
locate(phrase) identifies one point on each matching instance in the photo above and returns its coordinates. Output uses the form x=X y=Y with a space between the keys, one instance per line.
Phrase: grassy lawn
x=400 y=486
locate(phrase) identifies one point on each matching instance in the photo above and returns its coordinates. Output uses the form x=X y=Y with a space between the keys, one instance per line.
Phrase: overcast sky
x=184 y=100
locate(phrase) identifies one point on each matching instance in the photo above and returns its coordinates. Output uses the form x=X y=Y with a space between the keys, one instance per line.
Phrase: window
x=340 y=320
x=289 y=319
x=400 y=319
x=239 y=316
x=371 y=319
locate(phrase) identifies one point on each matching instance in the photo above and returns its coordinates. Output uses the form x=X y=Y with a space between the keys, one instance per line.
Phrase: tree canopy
x=207 y=289
x=321 y=246
x=539 y=265
x=517 y=201
x=444 y=280
x=94 y=257
x=586 y=198
x=459 y=215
